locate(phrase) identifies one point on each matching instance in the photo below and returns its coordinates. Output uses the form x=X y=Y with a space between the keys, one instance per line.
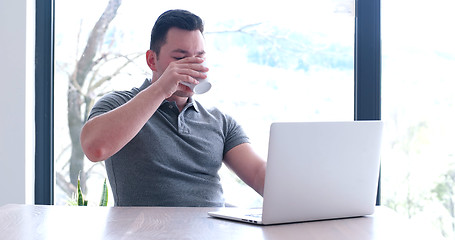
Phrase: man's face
x=179 y=44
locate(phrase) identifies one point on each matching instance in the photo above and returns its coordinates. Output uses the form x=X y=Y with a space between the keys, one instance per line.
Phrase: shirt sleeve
x=110 y=102
x=234 y=134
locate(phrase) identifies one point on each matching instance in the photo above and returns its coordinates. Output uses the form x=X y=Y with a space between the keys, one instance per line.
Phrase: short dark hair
x=178 y=18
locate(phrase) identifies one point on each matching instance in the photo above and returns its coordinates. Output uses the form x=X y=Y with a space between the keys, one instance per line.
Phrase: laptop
x=317 y=171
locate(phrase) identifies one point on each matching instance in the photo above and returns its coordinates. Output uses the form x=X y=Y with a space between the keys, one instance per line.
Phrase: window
x=264 y=63
x=418 y=104
x=44 y=79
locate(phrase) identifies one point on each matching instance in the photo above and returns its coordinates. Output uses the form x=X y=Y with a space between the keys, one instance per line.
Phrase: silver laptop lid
x=321 y=170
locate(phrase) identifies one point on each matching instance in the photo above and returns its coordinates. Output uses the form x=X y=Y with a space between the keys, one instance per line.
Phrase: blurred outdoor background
x=292 y=61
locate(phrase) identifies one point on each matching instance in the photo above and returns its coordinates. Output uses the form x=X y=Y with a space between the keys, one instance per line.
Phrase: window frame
x=44 y=102
x=367 y=84
x=367 y=65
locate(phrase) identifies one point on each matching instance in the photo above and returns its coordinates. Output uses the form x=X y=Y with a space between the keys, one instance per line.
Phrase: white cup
x=203 y=86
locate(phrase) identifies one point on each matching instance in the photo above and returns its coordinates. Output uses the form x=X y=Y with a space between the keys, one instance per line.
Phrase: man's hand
x=184 y=70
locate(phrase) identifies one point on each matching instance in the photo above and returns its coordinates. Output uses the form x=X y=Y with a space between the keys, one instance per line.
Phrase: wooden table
x=59 y=222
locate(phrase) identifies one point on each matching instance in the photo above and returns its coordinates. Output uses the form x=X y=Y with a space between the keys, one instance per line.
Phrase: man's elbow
x=94 y=152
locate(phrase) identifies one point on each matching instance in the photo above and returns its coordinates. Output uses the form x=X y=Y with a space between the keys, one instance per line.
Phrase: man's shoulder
x=125 y=95
x=223 y=118
x=120 y=96
x=112 y=100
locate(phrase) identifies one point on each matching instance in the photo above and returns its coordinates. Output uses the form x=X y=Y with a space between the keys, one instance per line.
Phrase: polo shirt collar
x=146 y=83
x=191 y=102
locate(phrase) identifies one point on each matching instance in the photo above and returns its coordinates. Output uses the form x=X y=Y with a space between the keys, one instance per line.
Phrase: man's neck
x=180 y=101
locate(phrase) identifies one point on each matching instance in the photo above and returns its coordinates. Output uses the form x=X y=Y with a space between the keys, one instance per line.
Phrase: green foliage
x=104 y=195
x=78 y=198
x=445 y=191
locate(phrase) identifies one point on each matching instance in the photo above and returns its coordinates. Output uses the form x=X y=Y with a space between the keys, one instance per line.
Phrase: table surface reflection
x=65 y=222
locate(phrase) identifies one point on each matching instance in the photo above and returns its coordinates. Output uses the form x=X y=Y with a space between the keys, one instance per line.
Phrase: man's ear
x=151 y=59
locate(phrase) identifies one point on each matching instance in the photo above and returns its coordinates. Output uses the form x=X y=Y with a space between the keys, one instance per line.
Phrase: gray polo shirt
x=175 y=158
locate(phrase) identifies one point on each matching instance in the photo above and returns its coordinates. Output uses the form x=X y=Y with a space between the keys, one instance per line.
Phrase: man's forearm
x=104 y=135
x=260 y=179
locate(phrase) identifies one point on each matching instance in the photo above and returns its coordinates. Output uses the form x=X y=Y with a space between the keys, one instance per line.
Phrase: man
x=163 y=148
